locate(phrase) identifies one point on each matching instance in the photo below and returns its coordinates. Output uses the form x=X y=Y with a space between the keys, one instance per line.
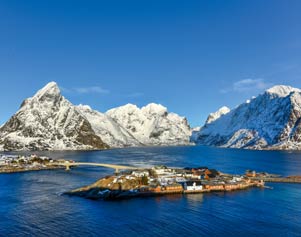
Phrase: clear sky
x=191 y=56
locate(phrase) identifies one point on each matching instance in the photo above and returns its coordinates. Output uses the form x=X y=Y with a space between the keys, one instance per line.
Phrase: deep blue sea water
x=31 y=203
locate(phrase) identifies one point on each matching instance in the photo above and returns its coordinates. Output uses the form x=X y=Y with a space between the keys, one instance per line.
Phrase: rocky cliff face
x=271 y=120
x=48 y=121
x=152 y=124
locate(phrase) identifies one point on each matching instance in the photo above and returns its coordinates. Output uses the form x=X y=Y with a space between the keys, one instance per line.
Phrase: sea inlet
x=32 y=202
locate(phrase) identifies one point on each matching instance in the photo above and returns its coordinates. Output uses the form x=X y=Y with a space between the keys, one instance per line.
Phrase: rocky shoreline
x=104 y=194
x=21 y=170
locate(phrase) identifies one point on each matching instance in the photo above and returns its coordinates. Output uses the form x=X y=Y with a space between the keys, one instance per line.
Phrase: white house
x=163 y=170
x=193 y=185
x=140 y=173
x=165 y=180
x=237 y=179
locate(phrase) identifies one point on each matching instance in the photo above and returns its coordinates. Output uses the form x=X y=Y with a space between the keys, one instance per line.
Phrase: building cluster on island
x=18 y=163
x=161 y=180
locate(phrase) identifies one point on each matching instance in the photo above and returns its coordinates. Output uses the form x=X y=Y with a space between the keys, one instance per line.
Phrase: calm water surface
x=31 y=203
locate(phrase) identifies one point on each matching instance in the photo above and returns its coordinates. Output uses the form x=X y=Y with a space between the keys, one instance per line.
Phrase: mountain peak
x=282 y=90
x=153 y=108
x=152 y=124
x=216 y=115
x=51 y=89
x=84 y=107
x=129 y=105
x=224 y=109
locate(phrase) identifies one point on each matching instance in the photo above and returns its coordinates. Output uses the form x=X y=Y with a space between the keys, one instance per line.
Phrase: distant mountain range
x=48 y=121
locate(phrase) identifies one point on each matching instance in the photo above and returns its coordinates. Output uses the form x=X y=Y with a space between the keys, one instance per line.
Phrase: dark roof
x=190 y=183
x=213 y=172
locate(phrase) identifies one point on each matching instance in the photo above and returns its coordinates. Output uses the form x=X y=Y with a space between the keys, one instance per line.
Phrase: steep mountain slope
x=48 y=121
x=152 y=124
x=271 y=120
x=106 y=128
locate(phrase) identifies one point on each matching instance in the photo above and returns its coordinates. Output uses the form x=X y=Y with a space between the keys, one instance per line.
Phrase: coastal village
x=21 y=163
x=161 y=180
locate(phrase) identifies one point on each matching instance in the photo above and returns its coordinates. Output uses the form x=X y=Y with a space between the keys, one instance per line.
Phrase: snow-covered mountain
x=105 y=127
x=48 y=121
x=271 y=120
x=152 y=124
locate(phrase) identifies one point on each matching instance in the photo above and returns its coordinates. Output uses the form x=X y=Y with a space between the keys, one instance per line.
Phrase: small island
x=161 y=180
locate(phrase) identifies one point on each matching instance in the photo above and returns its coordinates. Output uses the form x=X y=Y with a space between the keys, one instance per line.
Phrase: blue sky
x=191 y=56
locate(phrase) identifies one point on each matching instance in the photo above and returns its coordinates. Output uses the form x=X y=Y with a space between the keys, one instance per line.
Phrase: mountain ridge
x=269 y=121
x=48 y=121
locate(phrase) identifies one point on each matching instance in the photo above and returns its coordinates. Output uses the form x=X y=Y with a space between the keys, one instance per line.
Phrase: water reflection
x=197 y=197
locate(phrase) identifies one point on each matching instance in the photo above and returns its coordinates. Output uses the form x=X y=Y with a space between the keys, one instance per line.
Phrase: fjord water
x=32 y=203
